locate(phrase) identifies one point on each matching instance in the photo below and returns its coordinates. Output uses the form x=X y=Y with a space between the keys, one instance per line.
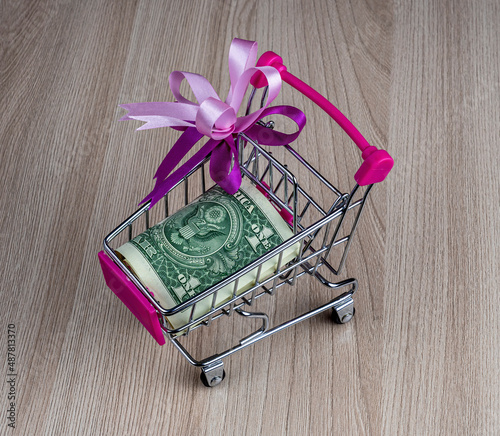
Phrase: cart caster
x=346 y=318
x=213 y=375
x=343 y=310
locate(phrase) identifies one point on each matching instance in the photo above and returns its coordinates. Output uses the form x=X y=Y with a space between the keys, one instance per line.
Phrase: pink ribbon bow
x=213 y=118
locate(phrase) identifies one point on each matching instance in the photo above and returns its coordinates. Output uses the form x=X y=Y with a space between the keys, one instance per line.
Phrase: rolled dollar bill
x=205 y=242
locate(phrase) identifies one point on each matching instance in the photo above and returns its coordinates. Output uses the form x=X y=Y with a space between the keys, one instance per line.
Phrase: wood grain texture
x=421 y=79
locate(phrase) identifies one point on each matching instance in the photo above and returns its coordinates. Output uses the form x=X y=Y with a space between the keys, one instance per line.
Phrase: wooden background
x=421 y=357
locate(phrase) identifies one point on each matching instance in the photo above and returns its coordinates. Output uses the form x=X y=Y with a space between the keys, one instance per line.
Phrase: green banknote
x=205 y=242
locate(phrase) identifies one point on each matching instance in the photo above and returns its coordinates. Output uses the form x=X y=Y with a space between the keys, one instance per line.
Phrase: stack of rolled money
x=205 y=242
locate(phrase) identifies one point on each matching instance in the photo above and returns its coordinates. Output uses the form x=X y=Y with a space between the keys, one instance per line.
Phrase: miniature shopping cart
x=323 y=221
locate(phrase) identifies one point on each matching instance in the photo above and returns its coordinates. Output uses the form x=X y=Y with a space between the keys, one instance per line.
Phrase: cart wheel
x=345 y=318
x=214 y=380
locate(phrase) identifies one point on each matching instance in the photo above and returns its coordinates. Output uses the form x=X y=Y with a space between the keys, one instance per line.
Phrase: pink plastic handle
x=127 y=292
x=376 y=163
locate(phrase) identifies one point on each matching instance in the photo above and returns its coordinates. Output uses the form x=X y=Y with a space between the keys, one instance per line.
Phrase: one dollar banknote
x=205 y=242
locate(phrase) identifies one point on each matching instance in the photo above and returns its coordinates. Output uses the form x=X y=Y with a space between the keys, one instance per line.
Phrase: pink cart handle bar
x=376 y=163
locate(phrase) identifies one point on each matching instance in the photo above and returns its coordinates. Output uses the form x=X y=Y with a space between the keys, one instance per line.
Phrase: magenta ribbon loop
x=213 y=118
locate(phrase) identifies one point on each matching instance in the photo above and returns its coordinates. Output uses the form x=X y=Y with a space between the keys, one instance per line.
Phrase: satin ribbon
x=213 y=118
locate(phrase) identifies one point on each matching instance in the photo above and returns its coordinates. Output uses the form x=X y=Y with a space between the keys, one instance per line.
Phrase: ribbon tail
x=163 y=186
x=161 y=114
x=223 y=156
x=182 y=146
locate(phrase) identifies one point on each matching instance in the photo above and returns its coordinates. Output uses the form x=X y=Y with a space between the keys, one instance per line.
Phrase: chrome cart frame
x=317 y=240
